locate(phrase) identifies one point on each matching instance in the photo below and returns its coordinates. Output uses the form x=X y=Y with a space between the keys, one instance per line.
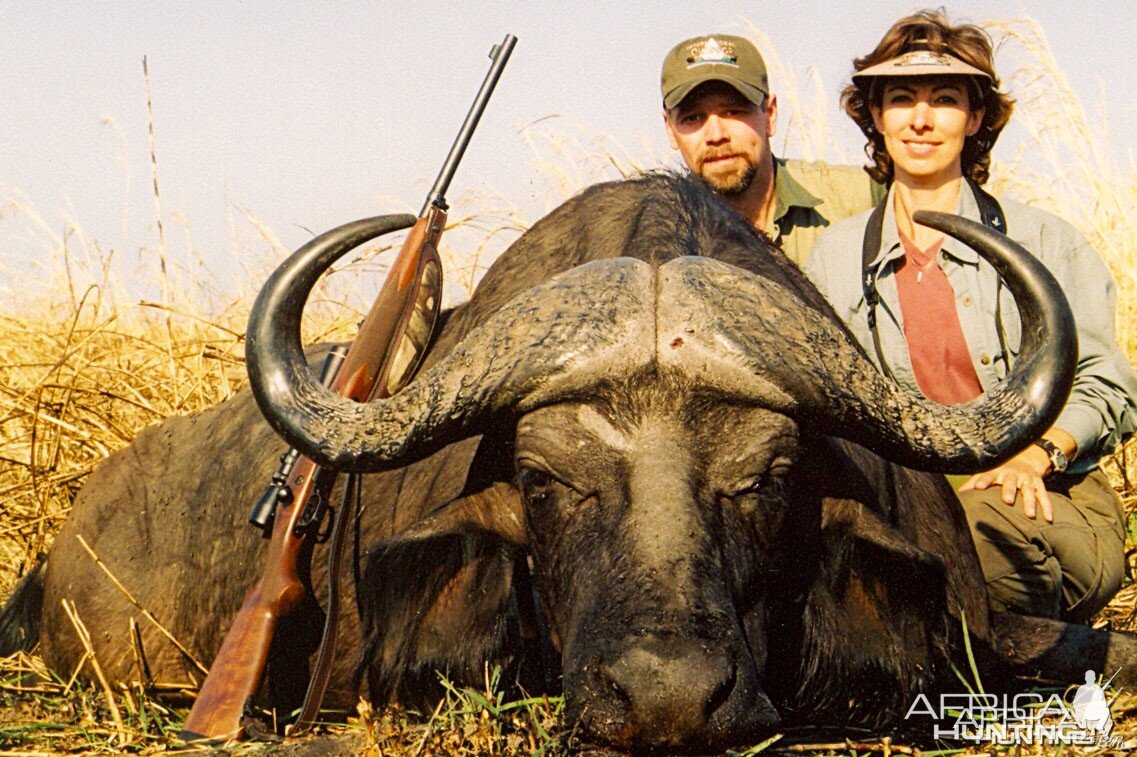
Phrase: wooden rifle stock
x=219 y=711
x=391 y=342
x=384 y=356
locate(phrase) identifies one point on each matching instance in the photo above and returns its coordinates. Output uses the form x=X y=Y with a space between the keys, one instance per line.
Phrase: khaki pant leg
x=1088 y=587
x=1070 y=568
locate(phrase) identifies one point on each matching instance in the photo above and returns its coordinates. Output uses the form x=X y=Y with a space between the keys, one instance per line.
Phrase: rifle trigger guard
x=327 y=516
x=311 y=515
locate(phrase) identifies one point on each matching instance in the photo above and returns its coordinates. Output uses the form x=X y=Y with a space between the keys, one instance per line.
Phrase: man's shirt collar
x=788 y=192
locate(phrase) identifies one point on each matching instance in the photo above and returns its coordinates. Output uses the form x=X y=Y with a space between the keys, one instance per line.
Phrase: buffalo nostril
x=668 y=696
x=661 y=692
x=721 y=693
x=612 y=680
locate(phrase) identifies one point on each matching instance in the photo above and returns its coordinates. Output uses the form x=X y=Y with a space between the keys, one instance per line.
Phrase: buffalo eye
x=765 y=485
x=531 y=478
x=539 y=485
x=752 y=488
x=536 y=484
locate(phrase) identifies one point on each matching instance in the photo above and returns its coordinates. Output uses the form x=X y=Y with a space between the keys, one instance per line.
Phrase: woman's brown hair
x=930 y=30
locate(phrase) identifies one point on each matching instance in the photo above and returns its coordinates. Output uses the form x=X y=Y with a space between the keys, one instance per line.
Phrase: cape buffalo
x=648 y=404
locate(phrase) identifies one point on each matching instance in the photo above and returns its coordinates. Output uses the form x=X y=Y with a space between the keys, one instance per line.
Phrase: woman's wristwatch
x=1058 y=459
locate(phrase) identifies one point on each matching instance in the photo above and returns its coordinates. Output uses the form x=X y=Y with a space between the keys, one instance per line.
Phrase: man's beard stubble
x=733 y=183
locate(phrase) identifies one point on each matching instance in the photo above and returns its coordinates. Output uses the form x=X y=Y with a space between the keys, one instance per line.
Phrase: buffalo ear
x=438 y=597
x=917 y=508
x=875 y=618
x=495 y=510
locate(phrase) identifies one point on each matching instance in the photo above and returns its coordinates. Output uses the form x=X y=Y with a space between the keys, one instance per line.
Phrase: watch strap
x=1058 y=459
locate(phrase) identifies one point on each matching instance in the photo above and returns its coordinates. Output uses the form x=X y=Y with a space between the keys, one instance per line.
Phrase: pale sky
x=308 y=115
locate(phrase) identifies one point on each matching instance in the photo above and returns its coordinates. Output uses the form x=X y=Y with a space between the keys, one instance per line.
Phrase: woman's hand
x=1022 y=473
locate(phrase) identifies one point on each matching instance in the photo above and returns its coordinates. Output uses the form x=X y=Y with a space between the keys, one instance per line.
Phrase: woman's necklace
x=921 y=267
x=907 y=229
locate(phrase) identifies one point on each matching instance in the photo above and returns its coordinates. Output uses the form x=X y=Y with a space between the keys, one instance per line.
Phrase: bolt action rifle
x=294 y=513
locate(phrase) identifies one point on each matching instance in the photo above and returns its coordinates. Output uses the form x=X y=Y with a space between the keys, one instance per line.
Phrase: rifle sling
x=322 y=670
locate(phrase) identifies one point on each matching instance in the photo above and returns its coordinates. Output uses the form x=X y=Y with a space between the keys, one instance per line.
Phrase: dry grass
x=85 y=367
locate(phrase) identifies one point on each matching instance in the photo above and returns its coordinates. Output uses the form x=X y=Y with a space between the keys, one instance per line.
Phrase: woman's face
x=924 y=122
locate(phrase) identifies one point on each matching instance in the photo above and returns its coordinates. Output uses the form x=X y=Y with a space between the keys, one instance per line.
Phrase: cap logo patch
x=711 y=50
x=923 y=58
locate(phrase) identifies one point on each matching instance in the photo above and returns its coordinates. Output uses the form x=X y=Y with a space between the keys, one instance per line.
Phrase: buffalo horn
x=762 y=344
x=553 y=339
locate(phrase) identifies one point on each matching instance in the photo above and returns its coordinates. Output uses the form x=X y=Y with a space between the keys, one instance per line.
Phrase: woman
x=1047 y=525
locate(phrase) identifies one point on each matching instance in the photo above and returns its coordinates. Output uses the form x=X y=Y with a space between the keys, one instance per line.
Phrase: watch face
x=1058 y=459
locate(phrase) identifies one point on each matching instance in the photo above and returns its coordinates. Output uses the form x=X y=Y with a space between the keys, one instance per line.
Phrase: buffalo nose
x=673 y=693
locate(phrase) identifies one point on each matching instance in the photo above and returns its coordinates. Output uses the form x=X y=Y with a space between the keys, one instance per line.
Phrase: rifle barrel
x=500 y=56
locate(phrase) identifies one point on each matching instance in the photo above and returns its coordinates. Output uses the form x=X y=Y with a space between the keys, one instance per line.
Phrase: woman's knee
x=1021 y=571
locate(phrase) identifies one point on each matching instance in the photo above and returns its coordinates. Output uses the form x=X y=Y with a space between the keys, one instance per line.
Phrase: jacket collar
x=890 y=247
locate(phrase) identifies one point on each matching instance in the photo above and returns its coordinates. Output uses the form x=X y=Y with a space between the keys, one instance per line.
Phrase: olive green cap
x=713 y=57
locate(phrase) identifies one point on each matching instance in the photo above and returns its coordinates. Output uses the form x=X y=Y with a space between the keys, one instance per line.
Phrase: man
x=720 y=115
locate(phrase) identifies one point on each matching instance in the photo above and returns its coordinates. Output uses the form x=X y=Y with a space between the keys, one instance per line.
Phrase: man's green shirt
x=811 y=195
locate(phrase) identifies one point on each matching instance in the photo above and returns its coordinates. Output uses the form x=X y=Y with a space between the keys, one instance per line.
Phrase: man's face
x=924 y=122
x=722 y=136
